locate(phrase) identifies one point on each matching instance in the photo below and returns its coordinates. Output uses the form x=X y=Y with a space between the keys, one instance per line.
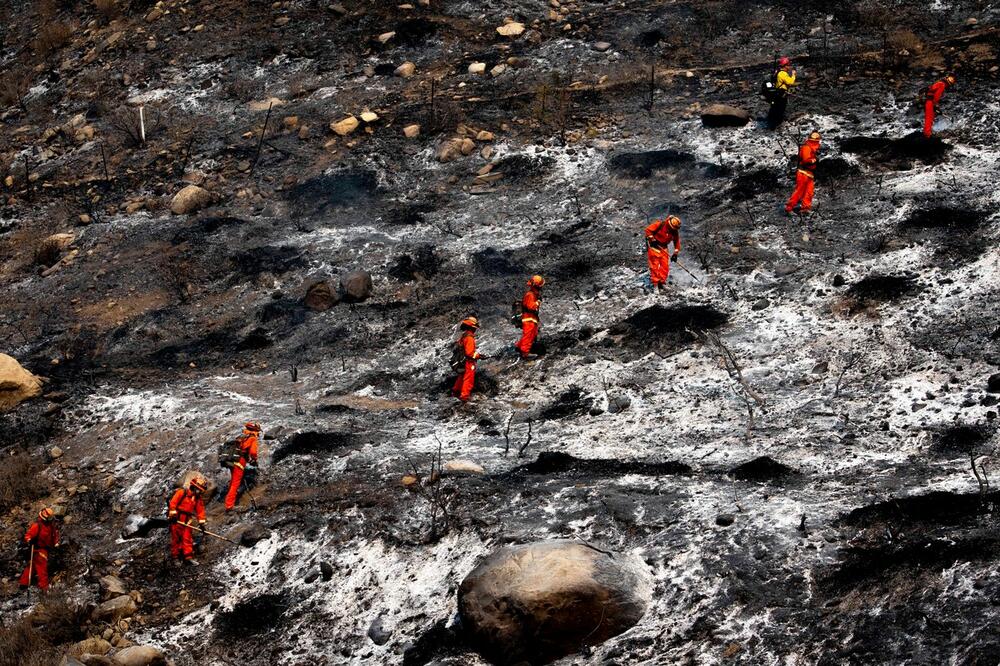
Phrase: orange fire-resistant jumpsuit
x=931 y=99
x=805 y=177
x=248 y=455
x=658 y=236
x=43 y=535
x=467 y=378
x=529 y=320
x=183 y=508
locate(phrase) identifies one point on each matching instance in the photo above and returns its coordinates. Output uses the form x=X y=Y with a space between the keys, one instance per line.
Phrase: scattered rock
x=190 y=200
x=512 y=29
x=112 y=586
x=760 y=304
x=406 y=70
x=462 y=468
x=618 y=402
x=254 y=534
x=498 y=70
x=601 y=47
x=483 y=135
x=723 y=115
x=992 y=384
x=369 y=117
x=541 y=601
x=92 y=645
x=385 y=37
x=326 y=571
x=55 y=453
x=450 y=150
x=477 y=68
x=411 y=131
x=345 y=126
x=725 y=519
x=378 y=633
x=16 y=384
x=356 y=286
x=839 y=281
x=139 y=655
x=821 y=368
x=116 y=608
x=320 y=297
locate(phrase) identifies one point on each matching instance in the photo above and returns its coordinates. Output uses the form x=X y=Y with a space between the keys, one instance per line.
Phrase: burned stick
x=260 y=143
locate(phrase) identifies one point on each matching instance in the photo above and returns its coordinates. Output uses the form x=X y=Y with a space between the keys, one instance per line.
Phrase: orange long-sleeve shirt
x=248 y=450
x=660 y=233
x=529 y=306
x=808 y=157
x=936 y=91
x=42 y=535
x=185 y=505
x=468 y=342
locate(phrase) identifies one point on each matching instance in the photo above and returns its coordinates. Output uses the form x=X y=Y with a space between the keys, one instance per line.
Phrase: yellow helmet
x=471 y=323
x=950 y=79
x=536 y=281
x=815 y=136
x=674 y=222
x=198 y=485
x=46 y=514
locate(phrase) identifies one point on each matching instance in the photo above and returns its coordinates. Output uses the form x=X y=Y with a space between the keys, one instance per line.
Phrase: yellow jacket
x=785 y=80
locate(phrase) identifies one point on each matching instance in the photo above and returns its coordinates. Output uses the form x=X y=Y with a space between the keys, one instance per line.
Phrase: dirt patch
x=251 y=617
x=643 y=165
x=557 y=462
x=762 y=470
x=878 y=288
x=897 y=153
x=310 y=443
x=669 y=324
x=752 y=183
x=950 y=219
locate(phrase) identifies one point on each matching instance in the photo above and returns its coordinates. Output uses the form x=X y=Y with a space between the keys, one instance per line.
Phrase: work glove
x=673 y=257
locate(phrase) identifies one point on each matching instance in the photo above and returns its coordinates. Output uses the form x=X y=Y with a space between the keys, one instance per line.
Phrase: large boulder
x=190 y=200
x=116 y=608
x=112 y=586
x=541 y=601
x=723 y=115
x=139 y=655
x=320 y=297
x=16 y=384
x=356 y=286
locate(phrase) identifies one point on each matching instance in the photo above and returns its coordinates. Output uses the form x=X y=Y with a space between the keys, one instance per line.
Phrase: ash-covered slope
x=822 y=511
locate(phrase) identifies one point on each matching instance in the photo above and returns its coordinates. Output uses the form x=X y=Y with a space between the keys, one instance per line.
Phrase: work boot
x=191 y=562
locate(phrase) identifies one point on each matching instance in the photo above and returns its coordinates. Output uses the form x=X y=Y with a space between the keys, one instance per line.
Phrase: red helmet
x=46 y=514
x=536 y=281
x=674 y=222
x=198 y=485
x=471 y=323
x=251 y=426
x=784 y=61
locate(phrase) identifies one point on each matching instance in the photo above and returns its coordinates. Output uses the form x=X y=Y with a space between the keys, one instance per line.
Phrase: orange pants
x=659 y=265
x=928 y=118
x=39 y=569
x=235 y=481
x=529 y=331
x=805 y=185
x=181 y=541
x=466 y=380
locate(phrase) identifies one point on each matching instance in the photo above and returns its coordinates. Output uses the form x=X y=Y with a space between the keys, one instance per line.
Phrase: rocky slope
x=786 y=439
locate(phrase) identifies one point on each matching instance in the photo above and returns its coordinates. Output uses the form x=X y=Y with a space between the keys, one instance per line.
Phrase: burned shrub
x=650 y=38
x=20 y=480
x=60 y=619
x=493 y=262
x=558 y=462
x=424 y=263
x=310 y=442
x=415 y=31
x=879 y=288
x=523 y=167
x=961 y=439
x=268 y=259
x=343 y=189
x=23 y=645
x=832 y=168
x=134 y=126
x=51 y=36
x=642 y=165
x=748 y=185
x=92 y=504
x=252 y=617
x=660 y=324
x=898 y=153
x=571 y=402
x=48 y=252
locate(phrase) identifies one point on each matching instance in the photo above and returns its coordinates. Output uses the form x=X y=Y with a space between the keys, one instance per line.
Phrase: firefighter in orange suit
x=932 y=97
x=529 y=314
x=805 y=176
x=659 y=235
x=42 y=536
x=248 y=443
x=185 y=506
x=467 y=342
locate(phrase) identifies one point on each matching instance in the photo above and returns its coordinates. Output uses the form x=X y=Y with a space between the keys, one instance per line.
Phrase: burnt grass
x=557 y=463
x=893 y=153
x=250 y=617
x=669 y=325
x=880 y=288
x=315 y=443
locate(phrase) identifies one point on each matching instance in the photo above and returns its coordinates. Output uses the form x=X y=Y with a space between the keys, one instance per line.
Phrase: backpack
x=769 y=87
x=457 y=360
x=515 y=314
x=229 y=453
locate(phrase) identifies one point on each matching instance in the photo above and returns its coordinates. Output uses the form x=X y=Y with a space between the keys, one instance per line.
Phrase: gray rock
x=253 y=534
x=760 y=304
x=326 y=570
x=725 y=519
x=378 y=633
x=319 y=296
x=112 y=586
x=601 y=47
x=356 y=286
x=993 y=383
x=116 y=608
x=541 y=601
x=724 y=115
x=618 y=402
